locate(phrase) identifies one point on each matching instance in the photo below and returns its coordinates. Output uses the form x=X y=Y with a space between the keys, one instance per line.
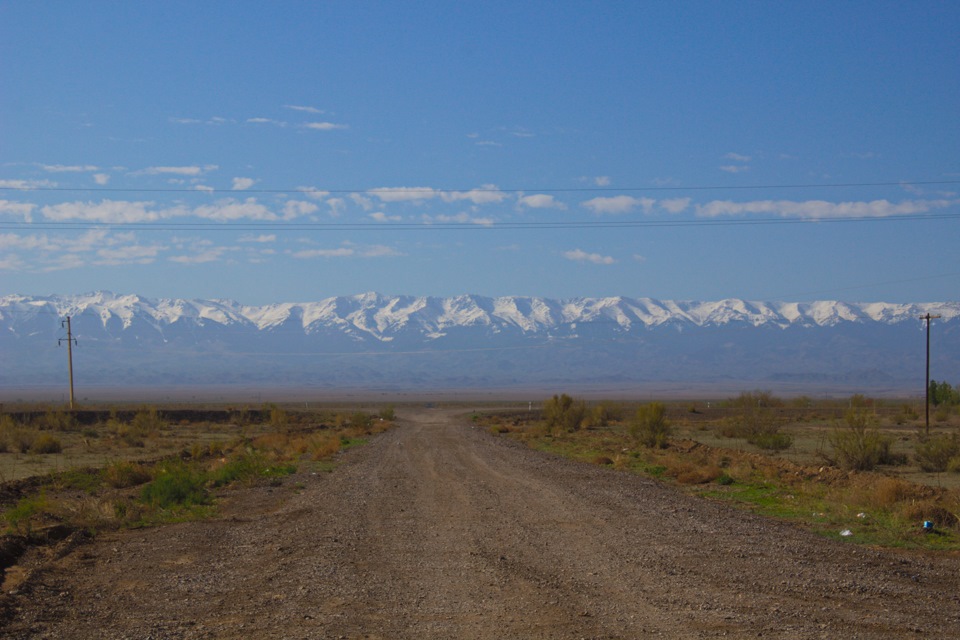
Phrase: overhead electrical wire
x=278 y=226
x=484 y=189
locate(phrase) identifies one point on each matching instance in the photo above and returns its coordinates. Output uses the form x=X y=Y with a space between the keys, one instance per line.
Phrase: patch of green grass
x=176 y=485
x=346 y=443
x=21 y=515
x=248 y=466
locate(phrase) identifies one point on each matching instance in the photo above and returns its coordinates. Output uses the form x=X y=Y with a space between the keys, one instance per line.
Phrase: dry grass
x=709 y=457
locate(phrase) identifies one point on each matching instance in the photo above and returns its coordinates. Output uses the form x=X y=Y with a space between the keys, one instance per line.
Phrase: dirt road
x=438 y=530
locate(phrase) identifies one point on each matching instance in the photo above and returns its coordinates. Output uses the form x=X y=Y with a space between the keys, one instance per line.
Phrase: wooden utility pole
x=70 y=342
x=928 y=318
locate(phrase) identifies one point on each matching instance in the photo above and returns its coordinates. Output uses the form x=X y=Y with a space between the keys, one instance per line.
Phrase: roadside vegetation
x=76 y=473
x=859 y=469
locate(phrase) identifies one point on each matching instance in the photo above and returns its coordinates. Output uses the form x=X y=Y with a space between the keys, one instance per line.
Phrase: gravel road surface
x=439 y=530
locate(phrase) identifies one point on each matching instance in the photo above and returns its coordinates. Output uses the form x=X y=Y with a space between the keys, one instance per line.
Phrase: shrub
x=123 y=474
x=388 y=413
x=772 y=440
x=361 y=420
x=46 y=443
x=278 y=417
x=564 y=413
x=935 y=454
x=650 y=426
x=175 y=485
x=57 y=421
x=858 y=445
x=147 y=421
x=755 y=399
x=19 y=517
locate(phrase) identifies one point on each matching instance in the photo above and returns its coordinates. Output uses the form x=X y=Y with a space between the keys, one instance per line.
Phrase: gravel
x=439 y=530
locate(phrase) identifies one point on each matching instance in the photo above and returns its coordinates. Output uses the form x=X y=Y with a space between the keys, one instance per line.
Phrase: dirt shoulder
x=439 y=530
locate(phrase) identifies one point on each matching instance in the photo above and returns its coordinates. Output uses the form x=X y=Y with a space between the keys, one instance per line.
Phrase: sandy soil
x=439 y=530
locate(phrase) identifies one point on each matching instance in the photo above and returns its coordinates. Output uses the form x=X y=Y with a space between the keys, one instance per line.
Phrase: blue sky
x=291 y=151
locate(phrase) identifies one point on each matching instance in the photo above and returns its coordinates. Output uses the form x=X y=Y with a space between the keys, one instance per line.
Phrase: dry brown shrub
x=933 y=511
x=881 y=492
x=323 y=446
x=602 y=460
x=124 y=474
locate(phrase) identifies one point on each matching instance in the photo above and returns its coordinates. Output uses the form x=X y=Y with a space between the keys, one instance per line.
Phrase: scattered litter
x=861 y=515
x=846 y=532
x=927 y=526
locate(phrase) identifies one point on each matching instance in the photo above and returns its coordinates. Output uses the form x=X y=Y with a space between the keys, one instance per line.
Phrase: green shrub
x=935 y=454
x=19 y=516
x=388 y=413
x=247 y=467
x=361 y=420
x=772 y=440
x=175 y=485
x=650 y=426
x=858 y=445
x=564 y=413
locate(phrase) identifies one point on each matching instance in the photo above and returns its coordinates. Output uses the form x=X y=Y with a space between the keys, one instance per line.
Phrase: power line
x=235 y=226
x=511 y=190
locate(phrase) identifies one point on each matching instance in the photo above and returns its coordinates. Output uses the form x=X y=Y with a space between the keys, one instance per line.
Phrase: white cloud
x=484 y=195
x=101 y=178
x=403 y=194
x=11 y=262
x=132 y=254
x=541 y=201
x=17 y=208
x=379 y=216
x=618 y=204
x=296 y=107
x=578 y=255
x=325 y=126
x=106 y=211
x=734 y=168
x=204 y=256
x=341 y=252
x=461 y=218
x=179 y=171
x=337 y=206
x=262 y=238
x=602 y=181
x=674 y=205
x=26 y=185
x=379 y=251
x=241 y=184
x=296 y=208
x=365 y=203
x=278 y=123
x=313 y=192
x=68 y=168
x=737 y=157
x=229 y=209
x=639 y=258
x=204 y=188
x=820 y=209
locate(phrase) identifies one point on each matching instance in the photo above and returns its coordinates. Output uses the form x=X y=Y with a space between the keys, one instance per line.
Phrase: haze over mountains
x=378 y=342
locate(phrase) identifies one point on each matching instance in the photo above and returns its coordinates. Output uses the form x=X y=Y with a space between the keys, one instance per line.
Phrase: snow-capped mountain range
x=372 y=340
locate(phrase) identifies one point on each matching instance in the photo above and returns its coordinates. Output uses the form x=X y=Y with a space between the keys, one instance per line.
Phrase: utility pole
x=928 y=318
x=70 y=342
